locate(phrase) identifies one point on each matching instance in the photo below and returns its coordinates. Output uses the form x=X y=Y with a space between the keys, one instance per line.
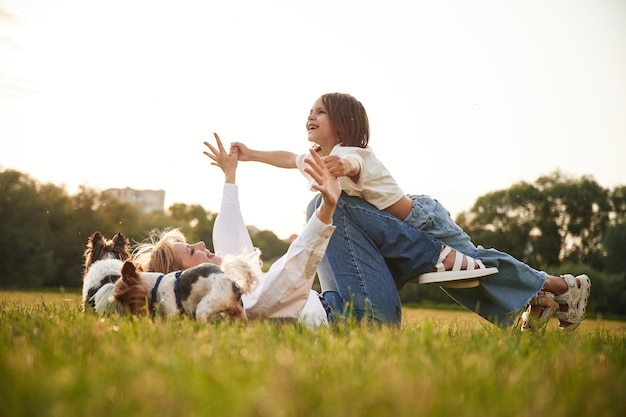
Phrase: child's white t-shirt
x=376 y=185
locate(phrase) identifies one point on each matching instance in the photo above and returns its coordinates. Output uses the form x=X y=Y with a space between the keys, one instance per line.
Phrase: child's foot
x=540 y=309
x=456 y=270
x=453 y=260
x=573 y=302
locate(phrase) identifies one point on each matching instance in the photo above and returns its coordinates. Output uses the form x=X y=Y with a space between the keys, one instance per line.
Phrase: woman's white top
x=376 y=185
x=284 y=291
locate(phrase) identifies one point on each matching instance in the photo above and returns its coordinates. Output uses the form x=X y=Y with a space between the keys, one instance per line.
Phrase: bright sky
x=464 y=97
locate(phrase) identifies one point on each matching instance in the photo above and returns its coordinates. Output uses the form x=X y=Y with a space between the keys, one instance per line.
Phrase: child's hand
x=242 y=150
x=341 y=167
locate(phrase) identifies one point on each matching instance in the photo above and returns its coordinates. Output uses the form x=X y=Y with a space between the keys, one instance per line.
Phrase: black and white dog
x=204 y=292
x=103 y=264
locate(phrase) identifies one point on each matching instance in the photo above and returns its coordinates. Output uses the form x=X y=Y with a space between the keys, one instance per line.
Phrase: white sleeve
x=285 y=289
x=230 y=234
x=300 y=164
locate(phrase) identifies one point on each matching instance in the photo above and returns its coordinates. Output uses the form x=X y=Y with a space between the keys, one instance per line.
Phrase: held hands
x=226 y=161
x=243 y=152
x=326 y=184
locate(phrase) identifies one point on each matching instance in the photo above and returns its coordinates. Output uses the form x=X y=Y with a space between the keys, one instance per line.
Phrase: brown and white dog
x=204 y=292
x=103 y=263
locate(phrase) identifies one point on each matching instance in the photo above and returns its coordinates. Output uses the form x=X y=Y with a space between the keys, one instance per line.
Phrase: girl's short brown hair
x=349 y=119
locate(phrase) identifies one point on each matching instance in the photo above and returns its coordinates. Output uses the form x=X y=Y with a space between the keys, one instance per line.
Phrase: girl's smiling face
x=320 y=128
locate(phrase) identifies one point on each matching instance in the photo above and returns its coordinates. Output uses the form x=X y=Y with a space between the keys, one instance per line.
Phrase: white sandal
x=576 y=299
x=458 y=261
x=544 y=299
x=456 y=277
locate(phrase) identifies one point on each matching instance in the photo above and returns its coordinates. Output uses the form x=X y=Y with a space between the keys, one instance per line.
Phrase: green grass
x=57 y=361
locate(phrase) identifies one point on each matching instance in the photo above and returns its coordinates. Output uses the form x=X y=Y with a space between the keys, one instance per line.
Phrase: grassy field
x=57 y=361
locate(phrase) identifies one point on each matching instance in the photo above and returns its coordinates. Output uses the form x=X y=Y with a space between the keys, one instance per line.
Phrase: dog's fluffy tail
x=244 y=270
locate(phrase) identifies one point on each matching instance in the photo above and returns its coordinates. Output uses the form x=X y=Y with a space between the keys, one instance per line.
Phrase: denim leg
x=370 y=256
x=330 y=292
x=430 y=216
x=500 y=296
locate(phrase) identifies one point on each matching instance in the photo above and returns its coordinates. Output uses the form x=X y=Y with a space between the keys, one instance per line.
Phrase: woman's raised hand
x=227 y=161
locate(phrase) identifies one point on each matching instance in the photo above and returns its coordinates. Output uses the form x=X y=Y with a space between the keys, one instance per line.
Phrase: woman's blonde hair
x=155 y=254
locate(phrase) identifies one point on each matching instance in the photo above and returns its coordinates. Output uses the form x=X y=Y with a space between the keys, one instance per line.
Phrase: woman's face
x=320 y=128
x=196 y=254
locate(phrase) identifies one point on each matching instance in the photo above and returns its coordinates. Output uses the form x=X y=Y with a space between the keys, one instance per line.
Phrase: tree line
x=558 y=224
x=44 y=230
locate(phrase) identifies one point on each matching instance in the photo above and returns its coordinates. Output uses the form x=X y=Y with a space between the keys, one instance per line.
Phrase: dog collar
x=153 y=295
x=179 y=302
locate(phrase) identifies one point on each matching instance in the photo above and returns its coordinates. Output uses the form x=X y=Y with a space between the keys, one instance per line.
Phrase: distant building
x=147 y=200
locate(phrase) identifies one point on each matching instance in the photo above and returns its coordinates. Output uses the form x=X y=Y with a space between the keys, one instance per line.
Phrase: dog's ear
x=94 y=241
x=129 y=273
x=119 y=237
x=121 y=244
x=96 y=237
x=128 y=291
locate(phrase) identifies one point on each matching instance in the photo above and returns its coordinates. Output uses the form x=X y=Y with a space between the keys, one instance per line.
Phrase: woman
x=285 y=290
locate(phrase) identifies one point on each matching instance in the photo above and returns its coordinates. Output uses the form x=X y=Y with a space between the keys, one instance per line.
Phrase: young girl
x=338 y=127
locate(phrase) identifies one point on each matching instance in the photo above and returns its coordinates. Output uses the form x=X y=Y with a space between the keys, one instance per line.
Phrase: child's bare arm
x=280 y=159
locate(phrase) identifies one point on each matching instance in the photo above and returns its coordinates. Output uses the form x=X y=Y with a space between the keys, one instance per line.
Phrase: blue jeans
x=353 y=270
x=500 y=296
x=371 y=255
